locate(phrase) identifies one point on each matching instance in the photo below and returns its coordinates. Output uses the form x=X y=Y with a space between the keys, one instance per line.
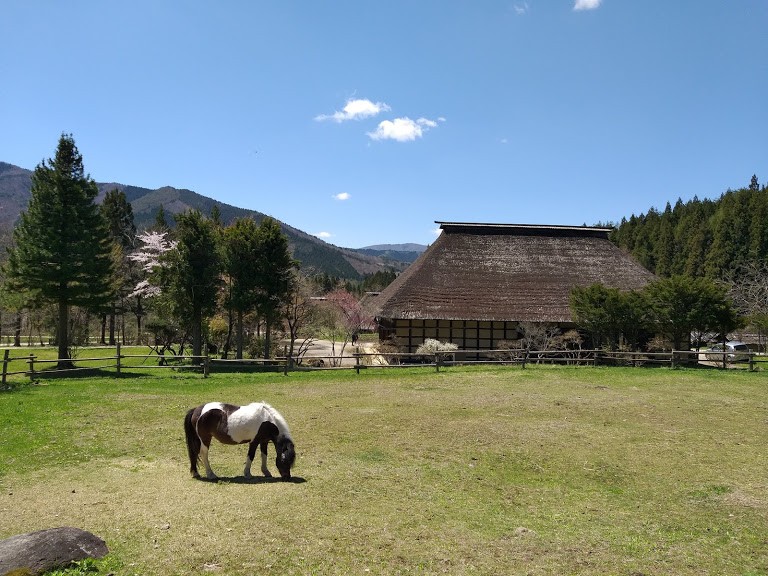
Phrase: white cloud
x=355 y=110
x=342 y=196
x=324 y=235
x=402 y=129
x=521 y=8
x=587 y=4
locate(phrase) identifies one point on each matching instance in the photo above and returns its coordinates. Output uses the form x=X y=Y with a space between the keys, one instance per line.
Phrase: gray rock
x=38 y=552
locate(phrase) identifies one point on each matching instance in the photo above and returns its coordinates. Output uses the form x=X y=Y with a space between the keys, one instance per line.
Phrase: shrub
x=430 y=346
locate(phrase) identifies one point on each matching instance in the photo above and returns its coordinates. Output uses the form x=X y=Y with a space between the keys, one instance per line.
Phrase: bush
x=255 y=348
x=431 y=346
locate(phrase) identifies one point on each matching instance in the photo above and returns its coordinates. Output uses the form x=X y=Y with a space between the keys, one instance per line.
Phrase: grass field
x=466 y=471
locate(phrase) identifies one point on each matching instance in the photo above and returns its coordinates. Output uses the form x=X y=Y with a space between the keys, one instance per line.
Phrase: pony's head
x=286 y=456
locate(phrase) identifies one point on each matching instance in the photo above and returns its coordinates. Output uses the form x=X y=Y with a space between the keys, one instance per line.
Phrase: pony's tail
x=193 y=443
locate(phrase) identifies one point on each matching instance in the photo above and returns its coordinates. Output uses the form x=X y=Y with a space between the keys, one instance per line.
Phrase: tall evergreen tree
x=758 y=226
x=730 y=236
x=161 y=222
x=274 y=275
x=695 y=239
x=241 y=263
x=664 y=246
x=119 y=215
x=62 y=251
x=192 y=273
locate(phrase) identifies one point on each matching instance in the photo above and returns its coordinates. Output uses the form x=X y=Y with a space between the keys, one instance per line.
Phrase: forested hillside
x=709 y=238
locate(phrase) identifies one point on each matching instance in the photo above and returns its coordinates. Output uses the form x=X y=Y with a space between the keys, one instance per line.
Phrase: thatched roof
x=507 y=272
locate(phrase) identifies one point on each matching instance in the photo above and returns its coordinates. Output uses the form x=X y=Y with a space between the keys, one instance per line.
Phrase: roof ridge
x=444 y=224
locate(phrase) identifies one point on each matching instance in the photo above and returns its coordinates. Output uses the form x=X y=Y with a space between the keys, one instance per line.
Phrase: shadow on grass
x=253 y=480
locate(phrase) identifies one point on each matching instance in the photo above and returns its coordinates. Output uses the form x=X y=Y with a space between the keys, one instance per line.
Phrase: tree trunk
x=267 y=335
x=230 y=329
x=63 y=337
x=239 y=338
x=17 y=330
x=197 y=333
x=139 y=314
x=291 y=345
x=112 y=329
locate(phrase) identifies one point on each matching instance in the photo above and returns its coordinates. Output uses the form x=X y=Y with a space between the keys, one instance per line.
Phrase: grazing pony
x=257 y=424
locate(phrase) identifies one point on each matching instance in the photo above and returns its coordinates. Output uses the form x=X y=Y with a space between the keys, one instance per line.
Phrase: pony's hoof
x=212 y=477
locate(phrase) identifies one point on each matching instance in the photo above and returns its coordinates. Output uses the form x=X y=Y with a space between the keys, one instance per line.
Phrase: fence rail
x=522 y=358
x=360 y=361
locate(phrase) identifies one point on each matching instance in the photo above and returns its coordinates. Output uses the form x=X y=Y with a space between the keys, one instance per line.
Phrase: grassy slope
x=492 y=471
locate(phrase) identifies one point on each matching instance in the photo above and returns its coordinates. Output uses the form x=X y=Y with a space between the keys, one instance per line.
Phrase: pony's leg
x=204 y=457
x=264 y=469
x=249 y=460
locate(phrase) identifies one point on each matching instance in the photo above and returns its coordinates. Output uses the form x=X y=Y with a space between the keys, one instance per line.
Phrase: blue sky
x=365 y=122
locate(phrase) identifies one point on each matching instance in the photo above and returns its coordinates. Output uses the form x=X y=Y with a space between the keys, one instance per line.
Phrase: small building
x=477 y=282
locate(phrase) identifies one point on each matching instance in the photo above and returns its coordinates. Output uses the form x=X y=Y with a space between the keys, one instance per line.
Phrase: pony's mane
x=278 y=420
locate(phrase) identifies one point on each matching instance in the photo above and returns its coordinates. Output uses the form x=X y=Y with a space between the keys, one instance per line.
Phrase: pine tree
x=62 y=253
x=664 y=243
x=758 y=227
x=161 y=222
x=241 y=264
x=118 y=213
x=193 y=272
x=693 y=238
x=274 y=275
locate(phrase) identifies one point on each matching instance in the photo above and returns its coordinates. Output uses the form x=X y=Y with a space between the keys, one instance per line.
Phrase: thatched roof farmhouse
x=477 y=282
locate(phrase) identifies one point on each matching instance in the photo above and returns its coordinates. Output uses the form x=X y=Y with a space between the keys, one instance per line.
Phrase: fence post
x=357 y=363
x=31 y=363
x=205 y=363
x=437 y=362
x=5 y=365
x=118 y=357
x=672 y=361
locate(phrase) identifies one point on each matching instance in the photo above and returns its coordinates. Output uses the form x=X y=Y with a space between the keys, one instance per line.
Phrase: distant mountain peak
x=396 y=247
x=313 y=253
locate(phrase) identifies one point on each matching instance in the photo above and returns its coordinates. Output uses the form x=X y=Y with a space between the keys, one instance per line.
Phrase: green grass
x=547 y=470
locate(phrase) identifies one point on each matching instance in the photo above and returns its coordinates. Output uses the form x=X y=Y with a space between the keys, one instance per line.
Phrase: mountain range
x=312 y=252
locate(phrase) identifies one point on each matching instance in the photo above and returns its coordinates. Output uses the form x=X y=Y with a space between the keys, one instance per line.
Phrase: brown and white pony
x=257 y=424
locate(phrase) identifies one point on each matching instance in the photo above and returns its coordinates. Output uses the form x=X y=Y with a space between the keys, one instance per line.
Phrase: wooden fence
x=674 y=359
x=120 y=363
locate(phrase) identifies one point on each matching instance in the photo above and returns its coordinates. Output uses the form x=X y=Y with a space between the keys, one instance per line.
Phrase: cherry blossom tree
x=149 y=257
x=347 y=319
